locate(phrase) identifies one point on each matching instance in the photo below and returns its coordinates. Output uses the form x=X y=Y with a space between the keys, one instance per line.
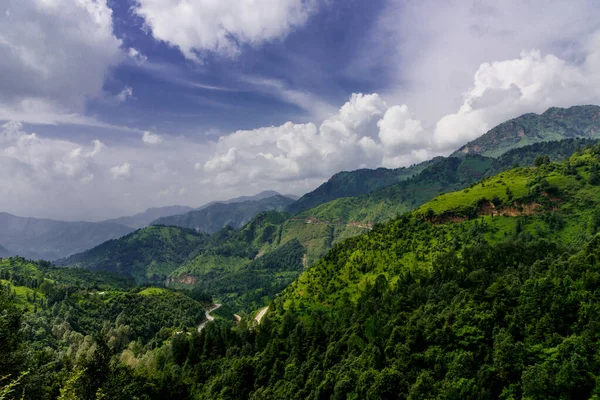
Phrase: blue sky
x=222 y=93
x=108 y=107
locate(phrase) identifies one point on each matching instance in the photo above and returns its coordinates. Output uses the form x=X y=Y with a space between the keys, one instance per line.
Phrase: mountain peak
x=554 y=124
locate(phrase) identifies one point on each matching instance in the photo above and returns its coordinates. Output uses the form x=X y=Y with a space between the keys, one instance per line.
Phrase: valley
x=469 y=276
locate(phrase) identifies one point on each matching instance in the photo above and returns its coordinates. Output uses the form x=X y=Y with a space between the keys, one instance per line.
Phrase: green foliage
x=148 y=255
x=480 y=293
x=356 y=183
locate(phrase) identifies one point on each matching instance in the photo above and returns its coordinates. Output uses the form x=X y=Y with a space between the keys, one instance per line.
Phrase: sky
x=109 y=107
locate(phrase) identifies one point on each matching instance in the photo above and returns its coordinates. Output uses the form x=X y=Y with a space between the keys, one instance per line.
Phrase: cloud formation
x=222 y=26
x=364 y=133
x=151 y=138
x=43 y=71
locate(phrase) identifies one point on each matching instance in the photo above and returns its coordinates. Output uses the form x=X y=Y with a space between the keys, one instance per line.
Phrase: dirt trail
x=209 y=318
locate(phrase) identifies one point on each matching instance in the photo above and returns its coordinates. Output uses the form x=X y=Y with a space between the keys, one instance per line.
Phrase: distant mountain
x=356 y=183
x=4 y=252
x=554 y=124
x=260 y=196
x=215 y=216
x=148 y=255
x=50 y=240
x=144 y=219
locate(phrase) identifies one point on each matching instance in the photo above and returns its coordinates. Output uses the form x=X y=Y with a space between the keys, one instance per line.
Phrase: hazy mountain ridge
x=214 y=217
x=4 y=252
x=145 y=218
x=50 y=239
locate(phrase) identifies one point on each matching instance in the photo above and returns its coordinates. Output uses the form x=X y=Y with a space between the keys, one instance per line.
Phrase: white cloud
x=531 y=83
x=57 y=178
x=364 y=132
x=44 y=75
x=151 y=138
x=121 y=171
x=137 y=56
x=126 y=93
x=222 y=26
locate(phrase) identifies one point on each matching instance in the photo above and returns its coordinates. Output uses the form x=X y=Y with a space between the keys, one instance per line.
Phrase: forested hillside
x=487 y=292
x=355 y=183
x=148 y=255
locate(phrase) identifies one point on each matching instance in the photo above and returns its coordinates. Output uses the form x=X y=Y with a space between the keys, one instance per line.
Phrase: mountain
x=355 y=183
x=244 y=268
x=554 y=124
x=337 y=220
x=490 y=291
x=215 y=216
x=148 y=255
x=4 y=252
x=144 y=219
x=50 y=240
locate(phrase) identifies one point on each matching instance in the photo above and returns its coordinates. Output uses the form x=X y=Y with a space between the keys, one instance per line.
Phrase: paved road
x=209 y=318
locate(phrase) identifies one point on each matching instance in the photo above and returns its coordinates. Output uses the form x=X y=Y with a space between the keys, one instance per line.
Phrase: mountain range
x=489 y=291
x=221 y=264
x=47 y=239
x=346 y=205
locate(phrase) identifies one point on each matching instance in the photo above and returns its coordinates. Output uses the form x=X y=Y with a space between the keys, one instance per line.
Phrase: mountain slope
x=148 y=255
x=218 y=215
x=355 y=183
x=446 y=175
x=554 y=124
x=489 y=292
x=50 y=240
x=144 y=219
x=4 y=252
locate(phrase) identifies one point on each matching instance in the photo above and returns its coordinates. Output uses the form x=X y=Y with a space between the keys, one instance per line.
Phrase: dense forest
x=487 y=292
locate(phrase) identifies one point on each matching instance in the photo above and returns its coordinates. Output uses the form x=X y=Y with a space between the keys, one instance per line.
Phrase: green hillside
x=148 y=255
x=554 y=124
x=495 y=303
x=350 y=216
x=485 y=292
x=244 y=268
x=62 y=335
x=218 y=215
x=355 y=183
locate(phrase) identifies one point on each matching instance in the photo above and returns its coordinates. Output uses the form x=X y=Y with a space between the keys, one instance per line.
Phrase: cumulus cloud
x=531 y=83
x=137 y=56
x=151 y=138
x=121 y=171
x=57 y=178
x=364 y=133
x=222 y=26
x=42 y=68
x=126 y=93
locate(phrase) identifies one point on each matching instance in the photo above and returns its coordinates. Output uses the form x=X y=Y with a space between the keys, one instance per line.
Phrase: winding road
x=209 y=318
